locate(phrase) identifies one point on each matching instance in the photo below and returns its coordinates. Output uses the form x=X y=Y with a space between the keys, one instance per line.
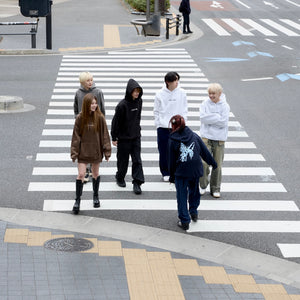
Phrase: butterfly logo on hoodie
x=186 y=151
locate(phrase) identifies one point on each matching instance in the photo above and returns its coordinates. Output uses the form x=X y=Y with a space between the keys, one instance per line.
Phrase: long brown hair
x=88 y=116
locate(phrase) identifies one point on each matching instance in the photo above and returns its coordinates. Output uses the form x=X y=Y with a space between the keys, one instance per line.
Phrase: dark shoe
x=194 y=217
x=189 y=31
x=120 y=183
x=137 y=188
x=184 y=226
x=96 y=183
x=86 y=177
x=185 y=32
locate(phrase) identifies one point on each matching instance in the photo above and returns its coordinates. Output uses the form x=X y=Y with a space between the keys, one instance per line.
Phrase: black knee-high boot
x=79 y=187
x=96 y=183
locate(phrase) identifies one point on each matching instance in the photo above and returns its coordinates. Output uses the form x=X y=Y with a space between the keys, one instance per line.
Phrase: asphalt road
x=266 y=106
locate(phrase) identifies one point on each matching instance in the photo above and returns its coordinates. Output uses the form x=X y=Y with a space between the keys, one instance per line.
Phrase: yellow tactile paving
x=38 y=238
x=111 y=36
x=243 y=283
x=110 y=248
x=216 y=275
x=154 y=275
x=187 y=267
x=139 y=276
x=15 y=235
x=60 y=236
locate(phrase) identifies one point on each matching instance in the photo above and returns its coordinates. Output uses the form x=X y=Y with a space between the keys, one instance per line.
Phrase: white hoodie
x=167 y=104
x=214 y=119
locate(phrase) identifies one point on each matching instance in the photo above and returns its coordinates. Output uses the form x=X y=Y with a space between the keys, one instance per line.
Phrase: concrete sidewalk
x=83 y=26
x=129 y=261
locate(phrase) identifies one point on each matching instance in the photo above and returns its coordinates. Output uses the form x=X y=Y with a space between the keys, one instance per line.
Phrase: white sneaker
x=216 y=195
x=166 y=178
x=202 y=191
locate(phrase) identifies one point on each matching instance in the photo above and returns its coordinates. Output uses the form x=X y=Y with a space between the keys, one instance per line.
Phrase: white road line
x=289 y=250
x=162 y=204
x=193 y=78
x=123 y=85
x=234 y=187
x=121 y=91
x=292 y=2
x=68 y=132
x=237 y=27
x=279 y=27
x=137 y=65
x=190 y=123
x=257 y=79
x=178 y=59
x=118 y=97
x=240 y=2
x=291 y=23
x=216 y=27
x=258 y=27
x=159 y=75
x=133 y=69
x=145 y=144
x=148 y=157
x=287 y=47
x=226 y=171
x=244 y=226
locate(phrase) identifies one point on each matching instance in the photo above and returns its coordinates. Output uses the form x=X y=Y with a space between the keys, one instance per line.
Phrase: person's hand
x=115 y=143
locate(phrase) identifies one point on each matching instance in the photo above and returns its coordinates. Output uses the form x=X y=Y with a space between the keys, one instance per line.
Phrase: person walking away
x=185 y=9
x=214 y=116
x=87 y=85
x=185 y=151
x=126 y=136
x=169 y=101
x=90 y=143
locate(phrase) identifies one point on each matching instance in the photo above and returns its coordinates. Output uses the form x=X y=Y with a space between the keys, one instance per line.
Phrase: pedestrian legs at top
x=216 y=148
x=186 y=23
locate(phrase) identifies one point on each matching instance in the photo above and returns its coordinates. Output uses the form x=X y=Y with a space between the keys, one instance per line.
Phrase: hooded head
x=130 y=89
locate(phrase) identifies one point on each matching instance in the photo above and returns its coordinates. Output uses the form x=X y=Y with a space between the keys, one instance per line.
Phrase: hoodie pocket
x=89 y=151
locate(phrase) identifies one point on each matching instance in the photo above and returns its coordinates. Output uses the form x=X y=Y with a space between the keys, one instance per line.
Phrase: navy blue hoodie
x=125 y=124
x=184 y=154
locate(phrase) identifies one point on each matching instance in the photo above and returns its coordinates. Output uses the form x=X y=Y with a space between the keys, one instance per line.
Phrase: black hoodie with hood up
x=125 y=124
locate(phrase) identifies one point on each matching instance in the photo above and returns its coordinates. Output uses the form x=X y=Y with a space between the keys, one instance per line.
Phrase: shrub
x=141 y=5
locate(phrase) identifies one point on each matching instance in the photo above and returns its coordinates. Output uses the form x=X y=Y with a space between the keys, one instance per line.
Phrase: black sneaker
x=137 y=188
x=120 y=183
x=86 y=177
x=184 y=226
x=194 y=217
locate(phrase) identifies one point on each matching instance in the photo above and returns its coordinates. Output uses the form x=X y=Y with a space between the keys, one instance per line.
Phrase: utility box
x=35 y=8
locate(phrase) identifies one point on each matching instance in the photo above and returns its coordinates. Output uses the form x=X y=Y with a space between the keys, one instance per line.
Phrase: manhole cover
x=69 y=244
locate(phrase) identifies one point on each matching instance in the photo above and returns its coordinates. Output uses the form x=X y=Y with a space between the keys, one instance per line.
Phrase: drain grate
x=69 y=244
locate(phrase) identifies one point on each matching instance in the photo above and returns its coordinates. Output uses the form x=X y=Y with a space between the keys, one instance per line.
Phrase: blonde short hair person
x=214 y=116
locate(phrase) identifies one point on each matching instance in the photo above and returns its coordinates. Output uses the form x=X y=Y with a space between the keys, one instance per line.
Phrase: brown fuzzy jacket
x=91 y=146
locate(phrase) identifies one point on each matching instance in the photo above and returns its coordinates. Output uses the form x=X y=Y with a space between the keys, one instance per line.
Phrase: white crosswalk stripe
x=245 y=170
x=249 y=27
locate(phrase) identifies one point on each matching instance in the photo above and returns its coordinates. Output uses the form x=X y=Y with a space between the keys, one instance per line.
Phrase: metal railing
x=171 y=23
x=33 y=30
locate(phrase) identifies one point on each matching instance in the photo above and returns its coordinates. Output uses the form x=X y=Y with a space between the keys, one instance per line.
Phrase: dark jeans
x=132 y=148
x=162 y=143
x=186 y=22
x=187 y=190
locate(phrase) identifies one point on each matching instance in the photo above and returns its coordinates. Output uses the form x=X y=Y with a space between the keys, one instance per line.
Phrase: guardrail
x=33 y=30
x=171 y=23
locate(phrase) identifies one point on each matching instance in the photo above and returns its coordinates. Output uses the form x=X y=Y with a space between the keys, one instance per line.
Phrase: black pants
x=132 y=148
x=186 y=22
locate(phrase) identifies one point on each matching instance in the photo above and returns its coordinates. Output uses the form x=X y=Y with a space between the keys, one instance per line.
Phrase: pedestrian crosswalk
x=245 y=170
x=249 y=27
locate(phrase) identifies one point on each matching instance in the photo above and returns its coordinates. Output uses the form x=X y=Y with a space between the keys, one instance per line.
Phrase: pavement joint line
x=161 y=267
x=268 y=266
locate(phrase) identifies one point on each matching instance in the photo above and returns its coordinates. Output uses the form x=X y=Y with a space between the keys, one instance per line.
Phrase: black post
x=49 y=29
x=33 y=37
x=177 y=24
x=167 y=28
